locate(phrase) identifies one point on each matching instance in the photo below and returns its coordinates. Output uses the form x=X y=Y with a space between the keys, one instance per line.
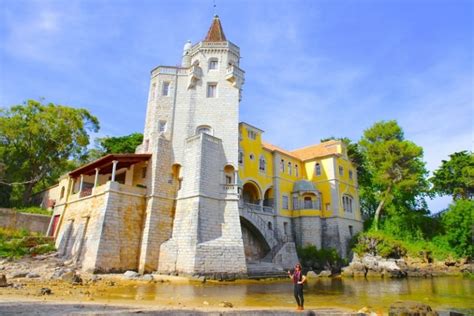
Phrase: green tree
x=455 y=176
x=37 y=140
x=114 y=145
x=395 y=166
x=457 y=222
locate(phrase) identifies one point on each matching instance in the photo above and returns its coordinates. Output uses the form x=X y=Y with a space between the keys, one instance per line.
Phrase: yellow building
x=308 y=195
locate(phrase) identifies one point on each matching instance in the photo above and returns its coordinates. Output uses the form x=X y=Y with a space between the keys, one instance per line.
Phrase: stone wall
x=32 y=222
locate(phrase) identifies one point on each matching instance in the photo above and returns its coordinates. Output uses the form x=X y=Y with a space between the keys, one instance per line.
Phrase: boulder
x=311 y=275
x=147 y=277
x=32 y=275
x=20 y=274
x=3 y=280
x=325 y=273
x=131 y=274
x=347 y=272
x=408 y=308
x=59 y=271
x=226 y=304
x=45 y=291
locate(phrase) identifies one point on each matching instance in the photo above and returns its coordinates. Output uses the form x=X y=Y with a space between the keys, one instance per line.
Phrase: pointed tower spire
x=215 y=33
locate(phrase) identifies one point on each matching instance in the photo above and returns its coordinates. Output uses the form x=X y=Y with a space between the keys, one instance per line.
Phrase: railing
x=261 y=225
x=235 y=71
x=171 y=70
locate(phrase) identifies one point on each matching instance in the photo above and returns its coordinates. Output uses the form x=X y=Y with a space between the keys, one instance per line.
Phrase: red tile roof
x=215 y=33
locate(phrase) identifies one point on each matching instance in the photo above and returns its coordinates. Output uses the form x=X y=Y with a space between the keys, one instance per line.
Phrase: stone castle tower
x=191 y=130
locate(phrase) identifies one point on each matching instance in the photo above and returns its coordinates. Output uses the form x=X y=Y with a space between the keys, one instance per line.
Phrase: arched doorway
x=251 y=193
x=255 y=246
x=268 y=198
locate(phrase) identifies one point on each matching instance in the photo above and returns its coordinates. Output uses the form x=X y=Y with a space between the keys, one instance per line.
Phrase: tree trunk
x=27 y=193
x=378 y=211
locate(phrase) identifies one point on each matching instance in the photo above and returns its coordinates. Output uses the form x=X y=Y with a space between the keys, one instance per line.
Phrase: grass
x=18 y=243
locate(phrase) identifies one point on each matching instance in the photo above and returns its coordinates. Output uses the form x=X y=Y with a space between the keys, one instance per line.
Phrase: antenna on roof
x=215 y=7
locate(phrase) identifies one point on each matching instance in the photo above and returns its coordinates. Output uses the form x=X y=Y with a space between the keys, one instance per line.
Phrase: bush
x=378 y=243
x=18 y=243
x=33 y=210
x=322 y=259
x=458 y=224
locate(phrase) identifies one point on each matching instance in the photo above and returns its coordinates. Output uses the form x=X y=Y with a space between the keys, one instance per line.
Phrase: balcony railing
x=258 y=207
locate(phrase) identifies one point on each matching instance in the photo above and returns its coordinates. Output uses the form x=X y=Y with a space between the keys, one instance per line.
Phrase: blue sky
x=313 y=68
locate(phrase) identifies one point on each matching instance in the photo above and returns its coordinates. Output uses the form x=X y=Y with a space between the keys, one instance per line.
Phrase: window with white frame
x=296 y=171
x=212 y=90
x=341 y=171
x=162 y=126
x=261 y=163
x=241 y=157
x=213 y=64
x=289 y=168
x=165 y=91
x=284 y=202
x=251 y=134
x=347 y=203
x=317 y=169
x=295 y=202
x=282 y=165
x=317 y=202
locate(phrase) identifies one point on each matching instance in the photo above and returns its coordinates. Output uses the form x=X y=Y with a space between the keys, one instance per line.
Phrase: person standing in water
x=298 y=281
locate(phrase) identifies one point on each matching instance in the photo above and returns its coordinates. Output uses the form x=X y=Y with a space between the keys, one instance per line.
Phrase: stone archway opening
x=255 y=246
x=251 y=193
x=268 y=198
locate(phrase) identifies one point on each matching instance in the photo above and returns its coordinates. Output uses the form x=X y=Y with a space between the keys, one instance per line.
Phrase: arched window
x=229 y=173
x=261 y=163
x=204 y=129
x=282 y=165
x=317 y=169
x=296 y=171
x=289 y=168
x=308 y=202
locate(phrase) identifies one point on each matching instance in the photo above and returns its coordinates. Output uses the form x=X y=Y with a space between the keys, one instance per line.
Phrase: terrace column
x=82 y=182
x=114 y=168
x=96 y=179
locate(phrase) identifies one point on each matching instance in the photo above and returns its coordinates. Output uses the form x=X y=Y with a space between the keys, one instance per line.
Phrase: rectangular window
x=284 y=203
x=213 y=64
x=166 y=88
x=252 y=134
x=350 y=174
x=162 y=126
x=341 y=171
x=282 y=165
x=285 y=228
x=317 y=169
x=351 y=230
x=295 y=203
x=212 y=90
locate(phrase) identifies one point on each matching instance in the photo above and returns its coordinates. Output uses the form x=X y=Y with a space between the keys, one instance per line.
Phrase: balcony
x=258 y=208
x=235 y=76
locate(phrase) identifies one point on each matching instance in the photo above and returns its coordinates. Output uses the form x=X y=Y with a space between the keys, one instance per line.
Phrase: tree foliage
x=457 y=222
x=455 y=176
x=115 y=145
x=395 y=167
x=37 y=140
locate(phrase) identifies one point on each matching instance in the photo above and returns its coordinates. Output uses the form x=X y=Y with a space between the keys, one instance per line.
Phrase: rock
x=311 y=275
x=226 y=304
x=76 y=280
x=45 y=291
x=3 y=280
x=72 y=278
x=347 y=272
x=325 y=273
x=20 y=274
x=59 y=271
x=32 y=275
x=95 y=278
x=410 y=308
x=131 y=274
x=147 y=277
x=205 y=303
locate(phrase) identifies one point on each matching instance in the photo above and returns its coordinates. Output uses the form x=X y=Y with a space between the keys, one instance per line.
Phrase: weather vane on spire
x=215 y=7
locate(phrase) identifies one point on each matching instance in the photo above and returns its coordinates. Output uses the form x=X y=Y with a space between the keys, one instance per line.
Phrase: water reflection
x=441 y=293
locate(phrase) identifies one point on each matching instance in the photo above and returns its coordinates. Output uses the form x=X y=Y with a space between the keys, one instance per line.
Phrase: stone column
x=96 y=179
x=114 y=169
x=81 y=183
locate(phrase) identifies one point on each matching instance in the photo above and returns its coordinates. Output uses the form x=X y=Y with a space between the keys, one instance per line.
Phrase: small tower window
x=162 y=126
x=213 y=64
x=166 y=88
x=204 y=129
x=212 y=90
x=251 y=134
x=317 y=169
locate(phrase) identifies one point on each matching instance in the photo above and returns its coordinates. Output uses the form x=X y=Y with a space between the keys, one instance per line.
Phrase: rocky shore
x=378 y=267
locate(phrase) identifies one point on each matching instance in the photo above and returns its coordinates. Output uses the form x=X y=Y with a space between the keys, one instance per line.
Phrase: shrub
x=458 y=224
x=378 y=243
x=18 y=243
x=321 y=259
x=33 y=210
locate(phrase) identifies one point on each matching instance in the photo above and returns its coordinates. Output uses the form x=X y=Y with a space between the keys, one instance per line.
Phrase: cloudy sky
x=313 y=68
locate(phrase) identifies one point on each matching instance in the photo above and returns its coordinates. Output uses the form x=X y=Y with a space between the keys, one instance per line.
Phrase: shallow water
x=441 y=293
